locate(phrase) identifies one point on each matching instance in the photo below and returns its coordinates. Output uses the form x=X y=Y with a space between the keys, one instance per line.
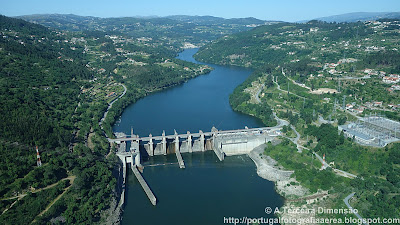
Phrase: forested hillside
x=38 y=94
x=317 y=76
x=172 y=30
x=55 y=88
x=280 y=43
x=316 y=55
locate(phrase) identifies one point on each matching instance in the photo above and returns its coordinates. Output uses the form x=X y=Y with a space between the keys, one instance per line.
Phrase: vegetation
x=306 y=167
x=278 y=42
x=378 y=178
x=172 y=31
x=377 y=185
x=295 y=63
x=239 y=102
x=26 y=209
x=55 y=88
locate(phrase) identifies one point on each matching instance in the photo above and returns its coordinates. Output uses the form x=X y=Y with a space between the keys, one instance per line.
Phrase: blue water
x=207 y=190
x=196 y=105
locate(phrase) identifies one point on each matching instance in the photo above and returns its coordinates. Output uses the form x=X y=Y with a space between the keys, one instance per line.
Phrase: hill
x=319 y=75
x=360 y=16
x=209 y=20
x=175 y=30
x=55 y=88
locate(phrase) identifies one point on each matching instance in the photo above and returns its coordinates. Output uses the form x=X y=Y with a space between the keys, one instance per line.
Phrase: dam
x=229 y=142
x=199 y=104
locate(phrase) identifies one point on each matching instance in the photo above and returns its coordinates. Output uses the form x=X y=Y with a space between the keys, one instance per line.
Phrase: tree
x=268 y=82
x=284 y=129
x=342 y=119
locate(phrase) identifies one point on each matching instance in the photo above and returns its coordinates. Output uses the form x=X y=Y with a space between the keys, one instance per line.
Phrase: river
x=207 y=190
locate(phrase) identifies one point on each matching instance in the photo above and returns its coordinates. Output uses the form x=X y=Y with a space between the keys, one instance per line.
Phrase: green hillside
x=55 y=88
x=317 y=76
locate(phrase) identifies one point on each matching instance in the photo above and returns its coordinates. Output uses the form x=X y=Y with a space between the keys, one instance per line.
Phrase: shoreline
x=286 y=186
x=268 y=169
x=120 y=209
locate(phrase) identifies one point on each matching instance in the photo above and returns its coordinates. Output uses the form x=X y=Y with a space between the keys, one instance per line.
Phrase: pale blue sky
x=287 y=10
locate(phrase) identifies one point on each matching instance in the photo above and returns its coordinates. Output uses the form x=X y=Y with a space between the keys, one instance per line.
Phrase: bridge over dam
x=228 y=142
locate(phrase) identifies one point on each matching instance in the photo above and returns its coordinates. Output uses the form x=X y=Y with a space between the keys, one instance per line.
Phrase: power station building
x=372 y=131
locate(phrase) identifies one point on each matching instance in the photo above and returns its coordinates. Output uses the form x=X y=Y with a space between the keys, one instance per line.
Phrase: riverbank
x=205 y=99
x=296 y=196
x=113 y=215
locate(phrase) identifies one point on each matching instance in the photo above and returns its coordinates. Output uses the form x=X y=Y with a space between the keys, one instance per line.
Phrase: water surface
x=207 y=190
x=196 y=105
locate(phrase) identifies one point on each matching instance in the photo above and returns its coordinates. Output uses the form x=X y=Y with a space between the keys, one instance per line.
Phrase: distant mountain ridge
x=201 y=20
x=80 y=21
x=213 y=19
x=176 y=30
x=359 y=16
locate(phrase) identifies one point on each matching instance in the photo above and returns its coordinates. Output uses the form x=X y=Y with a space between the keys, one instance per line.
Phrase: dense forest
x=55 y=87
x=378 y=183
x=39 y=94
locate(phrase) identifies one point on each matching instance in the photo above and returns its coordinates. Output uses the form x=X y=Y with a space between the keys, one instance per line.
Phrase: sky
x=285 y=10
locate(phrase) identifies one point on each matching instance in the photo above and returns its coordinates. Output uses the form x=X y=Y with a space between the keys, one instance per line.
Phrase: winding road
x=110 y=105
x=258 y=94
x=295 y=140
x=346 y=201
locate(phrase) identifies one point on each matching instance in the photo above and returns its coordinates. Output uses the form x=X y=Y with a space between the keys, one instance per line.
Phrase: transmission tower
x=39 y=162
x=334 y=107
x=344 y=102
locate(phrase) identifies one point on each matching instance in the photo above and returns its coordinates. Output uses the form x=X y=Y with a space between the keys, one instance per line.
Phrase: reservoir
x=207 y=190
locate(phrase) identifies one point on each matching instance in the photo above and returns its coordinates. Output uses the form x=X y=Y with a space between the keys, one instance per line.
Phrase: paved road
x=322 y=120
x=246 y=131
x=295 y=140
x=344 y=173
x=324 y=164
x=346 y=201
x=280 y=121
x=258 y=93
x=110 y=105
x=337 y=171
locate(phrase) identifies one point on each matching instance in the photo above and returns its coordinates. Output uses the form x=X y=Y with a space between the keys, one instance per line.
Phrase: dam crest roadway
x=228 y=142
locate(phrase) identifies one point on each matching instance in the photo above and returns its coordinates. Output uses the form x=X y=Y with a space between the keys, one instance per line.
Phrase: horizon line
x=157 y=16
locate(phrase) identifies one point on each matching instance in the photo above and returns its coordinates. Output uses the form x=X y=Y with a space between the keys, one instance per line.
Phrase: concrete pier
x=178 y=153
x=121 y=153
x=189 y=142
x=223 y=143
x=164 y=143
x=122 y=199
x=220 y=154
x=145 y=187
x=202 y=140
x=151 y=146
x=217 y=147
